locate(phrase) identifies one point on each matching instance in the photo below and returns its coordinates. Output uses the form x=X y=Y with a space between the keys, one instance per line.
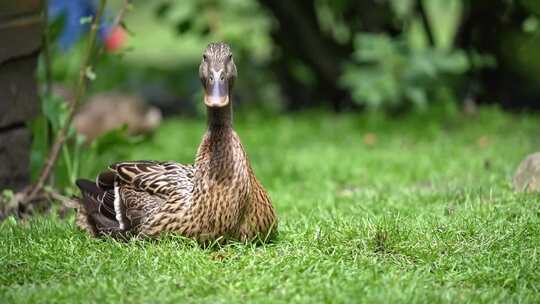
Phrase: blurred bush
x=388 y=72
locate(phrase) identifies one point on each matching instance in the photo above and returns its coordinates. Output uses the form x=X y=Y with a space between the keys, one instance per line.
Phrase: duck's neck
x=220 y=118
x=220 y=138
x=220 y=150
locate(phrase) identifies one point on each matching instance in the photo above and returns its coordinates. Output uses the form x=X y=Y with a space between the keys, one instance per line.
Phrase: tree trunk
x=303 y=45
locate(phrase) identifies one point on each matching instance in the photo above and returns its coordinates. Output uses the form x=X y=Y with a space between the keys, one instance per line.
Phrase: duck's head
x=217 y=73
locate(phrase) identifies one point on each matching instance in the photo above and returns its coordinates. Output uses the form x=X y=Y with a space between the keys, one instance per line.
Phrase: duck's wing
x=126 y=191
x=158 y=178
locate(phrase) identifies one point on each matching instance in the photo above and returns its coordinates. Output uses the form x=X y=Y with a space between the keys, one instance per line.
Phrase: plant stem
x=425 y=22
x=81 y=90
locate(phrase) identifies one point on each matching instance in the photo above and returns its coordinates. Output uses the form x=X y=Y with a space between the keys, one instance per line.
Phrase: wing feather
x=161 y=178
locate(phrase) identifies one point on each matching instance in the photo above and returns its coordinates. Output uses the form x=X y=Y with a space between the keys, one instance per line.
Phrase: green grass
x=421 y=210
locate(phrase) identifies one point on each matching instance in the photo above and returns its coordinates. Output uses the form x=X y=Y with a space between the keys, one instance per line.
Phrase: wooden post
x=21 y=29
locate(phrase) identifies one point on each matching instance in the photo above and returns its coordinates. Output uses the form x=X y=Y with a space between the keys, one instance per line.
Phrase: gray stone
x=527 y=178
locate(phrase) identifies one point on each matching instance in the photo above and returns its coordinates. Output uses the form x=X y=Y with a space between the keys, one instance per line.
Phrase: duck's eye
x=204 y=57
x=230 y=57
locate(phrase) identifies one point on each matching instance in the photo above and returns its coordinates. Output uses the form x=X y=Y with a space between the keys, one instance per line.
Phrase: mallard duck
x=105 y=112
x=216 y=198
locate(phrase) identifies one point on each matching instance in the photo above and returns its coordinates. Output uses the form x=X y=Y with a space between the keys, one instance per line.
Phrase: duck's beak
x=217 y=91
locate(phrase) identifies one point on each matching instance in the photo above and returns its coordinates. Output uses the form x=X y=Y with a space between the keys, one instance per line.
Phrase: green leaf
x=8 y=194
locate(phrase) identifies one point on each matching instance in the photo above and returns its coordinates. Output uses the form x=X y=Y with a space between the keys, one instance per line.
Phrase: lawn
x=417 y=208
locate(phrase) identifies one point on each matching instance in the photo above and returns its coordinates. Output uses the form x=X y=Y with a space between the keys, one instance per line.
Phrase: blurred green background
x=341 y=55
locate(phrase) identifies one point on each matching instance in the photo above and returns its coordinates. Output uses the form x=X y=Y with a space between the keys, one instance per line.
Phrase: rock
x=527 y=178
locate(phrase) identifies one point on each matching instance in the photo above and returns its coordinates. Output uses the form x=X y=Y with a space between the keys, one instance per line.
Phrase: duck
x=217 y=198
x=108 y=111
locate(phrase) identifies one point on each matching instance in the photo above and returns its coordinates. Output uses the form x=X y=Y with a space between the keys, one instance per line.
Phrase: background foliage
x=340 y=54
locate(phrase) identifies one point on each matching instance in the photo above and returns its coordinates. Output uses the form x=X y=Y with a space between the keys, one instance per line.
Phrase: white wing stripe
x=117 y=207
